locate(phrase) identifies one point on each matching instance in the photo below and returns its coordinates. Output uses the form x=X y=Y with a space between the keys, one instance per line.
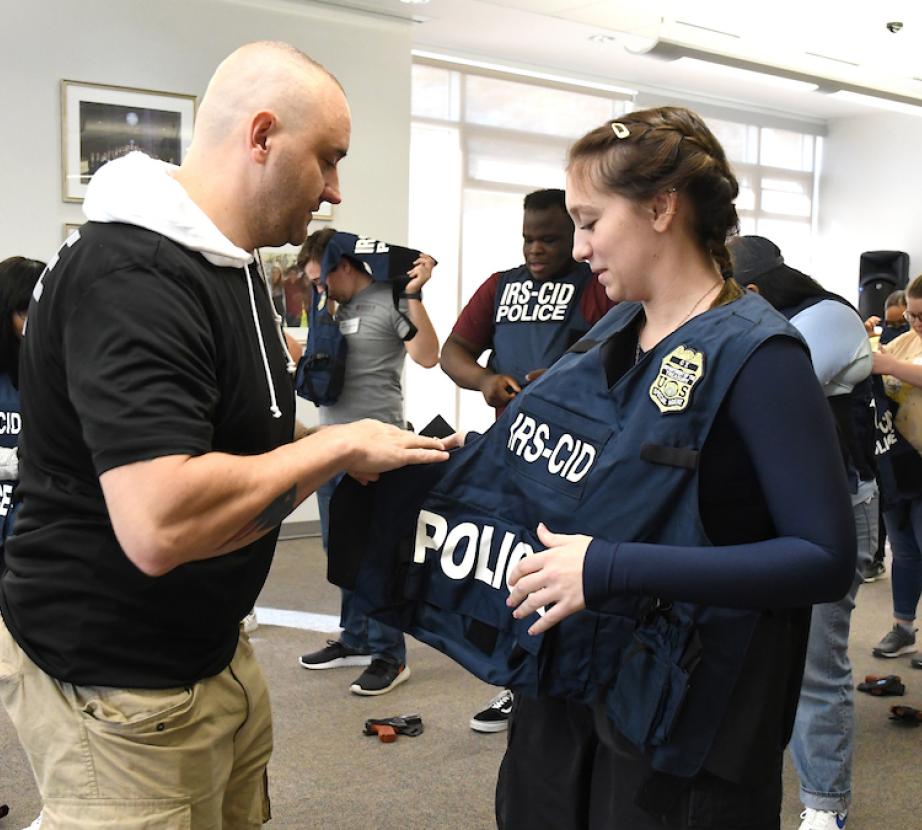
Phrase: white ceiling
x=842 y=40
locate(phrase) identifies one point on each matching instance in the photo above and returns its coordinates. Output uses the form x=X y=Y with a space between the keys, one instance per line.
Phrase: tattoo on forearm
x=272 y=516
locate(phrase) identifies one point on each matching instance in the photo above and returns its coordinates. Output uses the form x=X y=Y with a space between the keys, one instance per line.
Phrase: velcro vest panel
x=535 y=322
x=615 y=463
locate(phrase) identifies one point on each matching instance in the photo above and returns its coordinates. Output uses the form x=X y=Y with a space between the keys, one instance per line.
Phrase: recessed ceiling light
x=599 y=38
x=415 y=2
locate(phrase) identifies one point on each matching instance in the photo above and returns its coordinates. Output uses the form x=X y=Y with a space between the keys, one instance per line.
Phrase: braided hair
x=657 y=150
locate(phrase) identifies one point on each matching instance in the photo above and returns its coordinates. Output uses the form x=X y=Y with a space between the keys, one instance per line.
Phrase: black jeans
x=566 y=768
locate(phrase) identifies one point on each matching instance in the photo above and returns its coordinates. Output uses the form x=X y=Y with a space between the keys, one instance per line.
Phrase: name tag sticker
x=349 y=326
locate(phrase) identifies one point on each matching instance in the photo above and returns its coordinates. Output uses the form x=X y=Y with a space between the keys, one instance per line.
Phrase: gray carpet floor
x=325 y=774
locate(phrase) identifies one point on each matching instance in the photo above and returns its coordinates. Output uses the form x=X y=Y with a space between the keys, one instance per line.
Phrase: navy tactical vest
x=322 y=368
x=535 y=322
x=619 y=463
x=10 y=427
x=899 y=465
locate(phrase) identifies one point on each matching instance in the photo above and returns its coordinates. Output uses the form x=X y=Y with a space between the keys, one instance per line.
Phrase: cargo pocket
x=649 y=690
x=140 y=740
x=144 y=713
x=123 y=813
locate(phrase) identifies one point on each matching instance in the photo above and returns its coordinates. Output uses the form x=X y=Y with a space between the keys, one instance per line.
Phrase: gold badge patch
x=680 y=370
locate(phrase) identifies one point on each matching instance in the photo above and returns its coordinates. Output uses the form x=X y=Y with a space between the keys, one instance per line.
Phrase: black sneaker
x=380 y=677
x=334 y=655
x=873 y=571
x=495 y=718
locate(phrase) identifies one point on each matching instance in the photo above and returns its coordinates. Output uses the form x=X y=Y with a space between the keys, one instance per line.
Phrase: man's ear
x=753 y=288
x=664 y=207
x=262 y=128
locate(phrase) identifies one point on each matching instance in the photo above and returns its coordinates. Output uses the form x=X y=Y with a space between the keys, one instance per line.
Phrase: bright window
x=480 y=142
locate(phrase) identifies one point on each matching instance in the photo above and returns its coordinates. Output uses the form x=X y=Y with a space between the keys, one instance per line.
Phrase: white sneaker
x=249 y=622
x=822 y=819
x=35 y=825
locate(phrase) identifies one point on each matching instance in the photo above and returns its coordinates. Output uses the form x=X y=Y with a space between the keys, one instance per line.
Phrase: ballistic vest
x=10 y=427
x=618 y=463
x=899 y=465
x=535 y=322
x=322 y=368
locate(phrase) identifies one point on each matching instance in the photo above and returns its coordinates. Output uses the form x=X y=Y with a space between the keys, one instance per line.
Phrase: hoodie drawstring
x=273 y=401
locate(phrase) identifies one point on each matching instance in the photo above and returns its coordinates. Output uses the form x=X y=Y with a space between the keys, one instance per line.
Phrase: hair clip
x=619 y=129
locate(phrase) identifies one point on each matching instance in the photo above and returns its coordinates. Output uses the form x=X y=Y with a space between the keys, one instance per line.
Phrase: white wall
x=174 y=46
x=869 y=196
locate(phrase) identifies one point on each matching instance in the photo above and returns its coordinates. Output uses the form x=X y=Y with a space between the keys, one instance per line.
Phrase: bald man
x=159 y=463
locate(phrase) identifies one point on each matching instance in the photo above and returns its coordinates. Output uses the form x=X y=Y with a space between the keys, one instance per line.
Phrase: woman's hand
x=552 y=577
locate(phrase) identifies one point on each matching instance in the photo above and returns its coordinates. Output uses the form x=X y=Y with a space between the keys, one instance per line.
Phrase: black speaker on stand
x=879 y=275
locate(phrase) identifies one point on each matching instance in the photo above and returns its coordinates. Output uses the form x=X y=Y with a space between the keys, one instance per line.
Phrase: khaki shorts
x=144 y=759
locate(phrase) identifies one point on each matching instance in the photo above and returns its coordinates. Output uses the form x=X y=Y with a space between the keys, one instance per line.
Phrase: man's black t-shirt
x=136 y=348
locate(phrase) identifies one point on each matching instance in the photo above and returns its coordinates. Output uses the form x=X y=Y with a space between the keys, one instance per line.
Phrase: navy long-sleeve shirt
x=774 y=501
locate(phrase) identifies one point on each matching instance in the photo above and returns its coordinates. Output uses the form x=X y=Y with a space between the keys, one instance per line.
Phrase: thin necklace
x=638 y=352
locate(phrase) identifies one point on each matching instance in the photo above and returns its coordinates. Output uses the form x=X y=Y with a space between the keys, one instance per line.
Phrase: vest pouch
x=319 y=378
x=649 y=691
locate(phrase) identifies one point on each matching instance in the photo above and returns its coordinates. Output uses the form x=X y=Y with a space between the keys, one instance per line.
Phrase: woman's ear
x=664 y=206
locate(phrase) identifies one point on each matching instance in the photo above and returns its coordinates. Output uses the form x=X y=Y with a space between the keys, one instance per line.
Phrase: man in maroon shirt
x=528 y=317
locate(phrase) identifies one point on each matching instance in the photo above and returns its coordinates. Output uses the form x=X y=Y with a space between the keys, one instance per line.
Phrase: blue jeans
x=904 y=527
x=823 y=738
x=360 y=633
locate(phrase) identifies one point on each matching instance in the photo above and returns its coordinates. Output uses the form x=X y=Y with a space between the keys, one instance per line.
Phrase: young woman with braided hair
x=716 y=512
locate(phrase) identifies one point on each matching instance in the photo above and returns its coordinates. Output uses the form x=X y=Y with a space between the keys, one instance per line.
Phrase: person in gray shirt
x=376 y=333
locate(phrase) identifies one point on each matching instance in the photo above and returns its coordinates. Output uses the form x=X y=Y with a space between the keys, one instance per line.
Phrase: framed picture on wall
x=70 y=227
x=101 y=122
